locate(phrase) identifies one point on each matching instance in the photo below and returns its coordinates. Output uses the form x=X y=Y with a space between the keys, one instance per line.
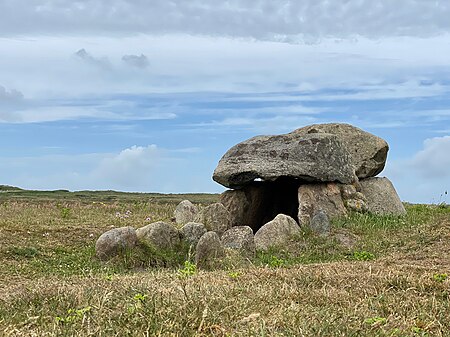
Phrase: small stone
x=276 y=233
x=320 y=224
x=209 y=252
x=185 y=212
x=114 y=242
x=192 y=232
x=160 y=235
x=240 y=238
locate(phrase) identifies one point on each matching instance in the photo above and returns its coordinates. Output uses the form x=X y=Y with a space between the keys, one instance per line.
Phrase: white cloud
x=132 y=168
x=433 y=162
x=308 y=20
x=425 y=176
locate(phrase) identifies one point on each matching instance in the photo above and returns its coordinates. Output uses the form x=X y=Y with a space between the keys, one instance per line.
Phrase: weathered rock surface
x=240 y=238
x=320 y=223
x=215 y=217
x=368 y=151
x=315 y=197
x=381 y=196
x=115 y=241
x=209 y=251
x=185 y=212
x=238 y=204
x=160 y=235
x=192 y=232
x=276 y=233
x=309 y=157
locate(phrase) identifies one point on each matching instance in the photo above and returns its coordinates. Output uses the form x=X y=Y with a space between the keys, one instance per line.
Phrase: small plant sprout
x=73 y=315
x=188 y=270
x=276 y=262
x=362 y=256
x=440 y=277
x=234 y=275
x=375 y=321
x=140 y=298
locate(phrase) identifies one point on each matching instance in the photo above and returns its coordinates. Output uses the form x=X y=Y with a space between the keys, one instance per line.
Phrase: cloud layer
x=262 y=19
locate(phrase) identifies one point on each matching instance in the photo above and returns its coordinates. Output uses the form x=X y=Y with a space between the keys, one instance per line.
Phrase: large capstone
x=311 y=157
x=368 y=151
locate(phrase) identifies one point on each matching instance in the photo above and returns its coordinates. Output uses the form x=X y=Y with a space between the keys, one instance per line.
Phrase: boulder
x=320 y=223
x=115 y=241
x=240 y=238
x=237 y=203
x=185 y=212
x=192 y=232
x=160 y=235
x=315 y=197
x=215 y=217
x=368 y=152
x=310 y=157
x=209 y=251
x=381 y=196
x=276 y=233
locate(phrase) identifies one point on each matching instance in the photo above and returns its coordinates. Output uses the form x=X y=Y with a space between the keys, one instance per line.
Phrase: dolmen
x=276 y=185
x=313 y=173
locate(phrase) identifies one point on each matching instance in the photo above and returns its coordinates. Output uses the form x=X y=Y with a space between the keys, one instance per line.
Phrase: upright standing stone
x=276 y=233
x=240 y=238
x=209 y=251
x=381 y=196
x=215 y=217
x=185 y=212
x=315 y=197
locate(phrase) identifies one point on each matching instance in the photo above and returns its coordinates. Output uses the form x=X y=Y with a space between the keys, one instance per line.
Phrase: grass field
x=389 y=278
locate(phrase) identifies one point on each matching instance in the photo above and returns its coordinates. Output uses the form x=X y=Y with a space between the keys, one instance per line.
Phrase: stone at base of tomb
x=381 y=196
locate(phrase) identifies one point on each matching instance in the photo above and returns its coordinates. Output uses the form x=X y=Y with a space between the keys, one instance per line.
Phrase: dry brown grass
x=397 y=294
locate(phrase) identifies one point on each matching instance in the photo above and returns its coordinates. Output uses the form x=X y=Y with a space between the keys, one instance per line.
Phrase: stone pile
x=277 y=185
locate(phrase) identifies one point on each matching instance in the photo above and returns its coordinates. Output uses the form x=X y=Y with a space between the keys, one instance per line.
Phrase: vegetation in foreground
x=387 y=276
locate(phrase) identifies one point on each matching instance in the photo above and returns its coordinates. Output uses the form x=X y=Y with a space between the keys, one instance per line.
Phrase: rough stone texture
x=115 y=241
x=215 y=217
x=381 y=196
x=192 y=232
x=185 y=212
x=368 y=151
x=260 y=202
x=240 y=238
x=357 y=204
x=315 y=197
x=309 y=157
x=159 y=235
x=238 y=204
x=209 y=251
x=320 y=224
x=277 y=232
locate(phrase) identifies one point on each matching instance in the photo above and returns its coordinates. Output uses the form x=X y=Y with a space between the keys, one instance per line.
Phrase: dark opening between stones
x=267 y=199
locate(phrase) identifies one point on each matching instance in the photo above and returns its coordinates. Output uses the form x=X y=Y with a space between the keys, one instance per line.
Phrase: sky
x=147 y=96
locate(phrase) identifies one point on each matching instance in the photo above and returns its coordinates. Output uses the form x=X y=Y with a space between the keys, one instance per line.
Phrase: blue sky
x=147 y=96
